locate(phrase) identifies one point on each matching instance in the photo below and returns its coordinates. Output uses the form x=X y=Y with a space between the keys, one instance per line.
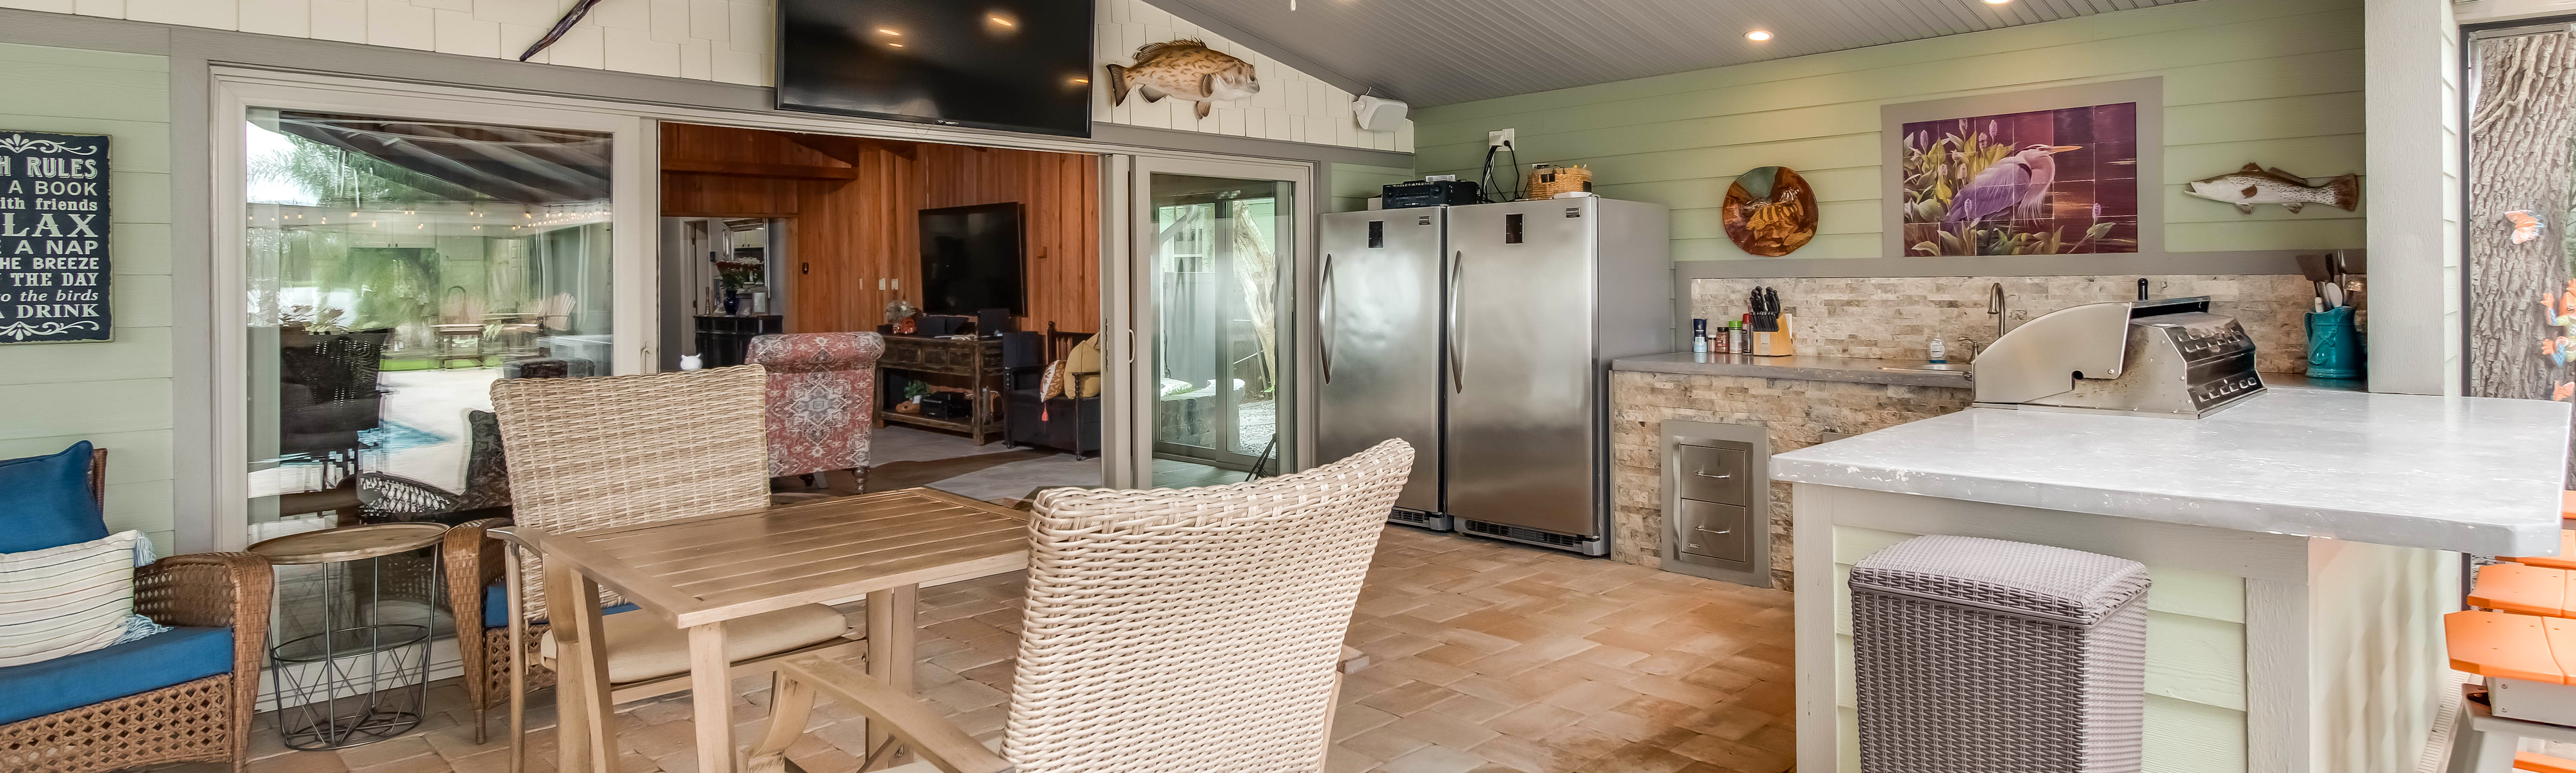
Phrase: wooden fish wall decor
x=2256 y=185
x=1187 y=69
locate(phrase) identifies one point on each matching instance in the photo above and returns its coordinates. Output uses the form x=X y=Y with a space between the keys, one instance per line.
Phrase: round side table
x=362 y=676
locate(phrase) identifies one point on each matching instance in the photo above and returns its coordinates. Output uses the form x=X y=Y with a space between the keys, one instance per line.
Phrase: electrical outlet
x=1500 y=137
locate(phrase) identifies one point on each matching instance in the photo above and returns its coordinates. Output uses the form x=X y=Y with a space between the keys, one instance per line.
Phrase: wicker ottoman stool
x=1986 y=656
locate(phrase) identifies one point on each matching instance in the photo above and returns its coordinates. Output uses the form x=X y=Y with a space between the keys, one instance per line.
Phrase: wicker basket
x=1983 y=656
x=1547 y=180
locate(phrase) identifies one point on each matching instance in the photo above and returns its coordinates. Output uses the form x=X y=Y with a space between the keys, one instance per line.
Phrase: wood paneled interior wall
x=852 y=206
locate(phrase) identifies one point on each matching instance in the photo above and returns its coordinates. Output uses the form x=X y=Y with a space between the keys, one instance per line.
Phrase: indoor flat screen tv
x=1016 y=65
x=970 y=259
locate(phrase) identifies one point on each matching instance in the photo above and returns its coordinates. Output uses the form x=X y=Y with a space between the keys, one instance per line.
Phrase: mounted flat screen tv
x=1015 y=65
x=970 y=260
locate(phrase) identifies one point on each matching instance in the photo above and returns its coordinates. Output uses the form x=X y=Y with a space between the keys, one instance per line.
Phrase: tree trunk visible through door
x=2519 y=134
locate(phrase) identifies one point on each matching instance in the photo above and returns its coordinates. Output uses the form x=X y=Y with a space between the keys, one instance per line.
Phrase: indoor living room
x=977 y=267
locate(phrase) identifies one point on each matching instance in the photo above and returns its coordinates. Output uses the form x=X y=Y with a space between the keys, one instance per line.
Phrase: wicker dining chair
x=620 y=451
x=199 y=720
x=1168 y=630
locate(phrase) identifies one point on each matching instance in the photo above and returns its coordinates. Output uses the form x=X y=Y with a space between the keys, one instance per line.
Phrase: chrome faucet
x=1995 y=307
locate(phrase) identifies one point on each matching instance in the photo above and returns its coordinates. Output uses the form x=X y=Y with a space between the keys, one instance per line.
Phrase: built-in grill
x=2167 y=357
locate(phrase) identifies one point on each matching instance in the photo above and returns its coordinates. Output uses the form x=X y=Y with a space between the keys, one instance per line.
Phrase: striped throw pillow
x=71 y=599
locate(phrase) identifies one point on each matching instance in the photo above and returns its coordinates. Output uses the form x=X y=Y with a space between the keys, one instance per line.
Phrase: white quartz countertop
x=2464 y=474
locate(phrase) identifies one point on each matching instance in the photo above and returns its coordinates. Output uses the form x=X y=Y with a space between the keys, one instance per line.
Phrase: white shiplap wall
x=1292 y=105
x=729 y=41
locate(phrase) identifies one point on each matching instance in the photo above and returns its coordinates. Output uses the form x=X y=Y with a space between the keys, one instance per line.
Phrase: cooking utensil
x=2318 y=268
x=2334 y=296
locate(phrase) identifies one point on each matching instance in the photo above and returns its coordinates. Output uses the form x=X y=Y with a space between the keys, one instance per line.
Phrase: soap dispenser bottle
x=1938 y=354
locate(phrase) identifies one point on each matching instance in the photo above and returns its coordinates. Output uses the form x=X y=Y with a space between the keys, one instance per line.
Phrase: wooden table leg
x=893 y=626
x=711 y=694
x=791 y=702
x=585 y=734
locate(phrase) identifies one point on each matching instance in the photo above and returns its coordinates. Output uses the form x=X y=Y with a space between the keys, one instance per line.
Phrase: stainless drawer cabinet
x=1713 y=474
x=1710 y=530
x=1715 y=492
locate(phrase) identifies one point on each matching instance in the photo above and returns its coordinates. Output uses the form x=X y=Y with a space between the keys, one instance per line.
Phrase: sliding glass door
x=397 y=254
x=1217 y=249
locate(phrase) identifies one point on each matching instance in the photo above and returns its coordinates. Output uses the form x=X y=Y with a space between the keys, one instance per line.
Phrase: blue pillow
x=45 y=502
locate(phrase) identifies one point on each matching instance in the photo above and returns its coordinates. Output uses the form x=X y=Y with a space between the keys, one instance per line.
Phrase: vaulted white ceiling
x=1437 y=52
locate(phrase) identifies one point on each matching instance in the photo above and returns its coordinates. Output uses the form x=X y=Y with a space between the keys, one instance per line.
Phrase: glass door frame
x=635 y=281
x=1131 y=316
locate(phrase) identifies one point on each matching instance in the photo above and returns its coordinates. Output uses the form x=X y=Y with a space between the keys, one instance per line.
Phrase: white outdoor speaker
x=1378 y=114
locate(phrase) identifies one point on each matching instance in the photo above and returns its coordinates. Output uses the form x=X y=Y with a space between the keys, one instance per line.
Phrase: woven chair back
x=1194 y=629
x=596 y=453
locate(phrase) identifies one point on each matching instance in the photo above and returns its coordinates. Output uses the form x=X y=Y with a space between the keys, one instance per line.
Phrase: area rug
x=902 y=475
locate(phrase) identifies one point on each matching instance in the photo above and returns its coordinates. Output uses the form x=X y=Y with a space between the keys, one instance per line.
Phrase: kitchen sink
x=1929 y=367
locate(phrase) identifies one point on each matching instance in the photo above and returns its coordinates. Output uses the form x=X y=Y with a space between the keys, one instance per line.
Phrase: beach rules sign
x=53 y=238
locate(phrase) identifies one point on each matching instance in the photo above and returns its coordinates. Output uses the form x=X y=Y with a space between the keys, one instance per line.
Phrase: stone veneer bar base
x=1795 y=411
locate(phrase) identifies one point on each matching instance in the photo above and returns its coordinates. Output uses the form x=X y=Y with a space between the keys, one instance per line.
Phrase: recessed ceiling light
x=1997 y=2
x=998 y=19
x=884 y=31
x=896 y=45
x=1758 y=35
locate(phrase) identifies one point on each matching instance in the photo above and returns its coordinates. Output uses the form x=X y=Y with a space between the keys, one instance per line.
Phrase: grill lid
x=2168 y=357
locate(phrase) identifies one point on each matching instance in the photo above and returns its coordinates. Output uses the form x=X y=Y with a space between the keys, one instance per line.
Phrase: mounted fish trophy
x=1184 y=68
x=2256 y=185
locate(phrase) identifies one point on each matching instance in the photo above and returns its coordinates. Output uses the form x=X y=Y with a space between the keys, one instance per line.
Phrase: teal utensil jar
x=2334 y=345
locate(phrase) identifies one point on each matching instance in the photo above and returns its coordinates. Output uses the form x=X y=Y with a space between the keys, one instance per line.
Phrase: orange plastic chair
x=2566 y=558
x=2524 y=589
x=2510 y=646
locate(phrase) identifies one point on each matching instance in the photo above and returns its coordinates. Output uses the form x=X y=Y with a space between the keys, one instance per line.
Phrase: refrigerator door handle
x=1324 y=344
x=1452 y=342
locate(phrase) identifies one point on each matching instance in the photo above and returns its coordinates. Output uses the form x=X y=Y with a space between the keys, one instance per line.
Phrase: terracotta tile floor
x=1486 y=658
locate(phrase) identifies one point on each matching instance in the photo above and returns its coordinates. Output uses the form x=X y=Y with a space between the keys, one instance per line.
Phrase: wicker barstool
x=1179 y=630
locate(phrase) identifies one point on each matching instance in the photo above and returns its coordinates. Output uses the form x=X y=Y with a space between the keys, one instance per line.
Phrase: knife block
x=1775 y=343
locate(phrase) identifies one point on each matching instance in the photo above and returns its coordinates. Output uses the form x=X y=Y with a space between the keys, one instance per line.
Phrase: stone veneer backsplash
x=1894 y=318
x=1795 y=414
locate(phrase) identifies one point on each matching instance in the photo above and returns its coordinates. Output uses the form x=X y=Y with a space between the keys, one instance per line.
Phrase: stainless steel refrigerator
x=1483 y=335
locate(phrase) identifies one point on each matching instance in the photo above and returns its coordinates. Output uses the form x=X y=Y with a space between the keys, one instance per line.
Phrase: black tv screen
x=970 y=259
x=1018 y=65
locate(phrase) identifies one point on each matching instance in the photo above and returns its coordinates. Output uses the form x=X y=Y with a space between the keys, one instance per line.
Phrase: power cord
x=1487 y=180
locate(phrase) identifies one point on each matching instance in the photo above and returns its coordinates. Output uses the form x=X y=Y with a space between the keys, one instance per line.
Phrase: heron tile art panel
x=2036 y=183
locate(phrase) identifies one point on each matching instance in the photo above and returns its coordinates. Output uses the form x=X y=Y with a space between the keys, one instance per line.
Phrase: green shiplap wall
x=1354 y=184
x=2273 y=81
x=114 y=394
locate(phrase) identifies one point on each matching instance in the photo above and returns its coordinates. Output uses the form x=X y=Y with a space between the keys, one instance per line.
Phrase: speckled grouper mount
x=2167 y=357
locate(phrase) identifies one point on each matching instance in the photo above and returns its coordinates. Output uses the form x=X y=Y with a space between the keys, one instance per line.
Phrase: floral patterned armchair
x=822 y=404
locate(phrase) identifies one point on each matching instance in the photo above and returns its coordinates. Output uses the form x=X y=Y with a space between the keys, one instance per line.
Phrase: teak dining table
x=701 y=572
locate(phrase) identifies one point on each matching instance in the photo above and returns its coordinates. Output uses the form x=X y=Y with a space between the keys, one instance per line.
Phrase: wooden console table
x=978 y=359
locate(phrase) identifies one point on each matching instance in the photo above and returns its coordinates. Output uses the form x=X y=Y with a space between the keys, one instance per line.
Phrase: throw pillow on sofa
x=71 y=599
x=45 y=501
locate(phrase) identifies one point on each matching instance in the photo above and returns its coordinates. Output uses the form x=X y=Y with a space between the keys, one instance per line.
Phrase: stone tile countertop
x=2473 y=475
x=1867 y=371
x=1803 y=367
